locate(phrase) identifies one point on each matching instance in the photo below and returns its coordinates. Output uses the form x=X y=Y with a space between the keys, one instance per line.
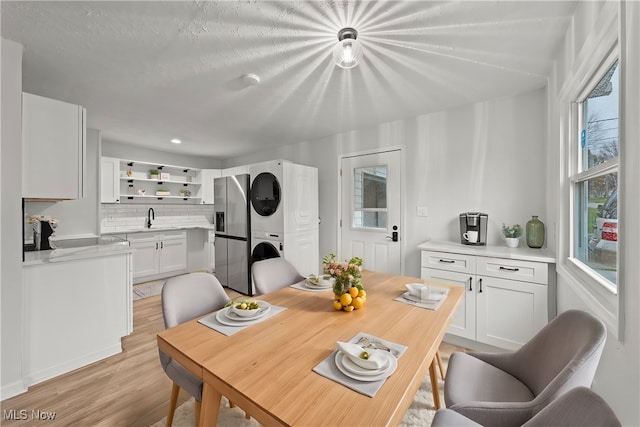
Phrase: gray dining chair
x=185 y=298
x=272 y=274
x=577 y=407
x=507 y=389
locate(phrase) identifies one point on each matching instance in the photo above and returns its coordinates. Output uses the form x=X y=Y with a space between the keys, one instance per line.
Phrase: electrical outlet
x=422 y=211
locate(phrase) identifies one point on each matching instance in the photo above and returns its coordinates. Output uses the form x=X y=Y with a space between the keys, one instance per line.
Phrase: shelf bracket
x=130 y=164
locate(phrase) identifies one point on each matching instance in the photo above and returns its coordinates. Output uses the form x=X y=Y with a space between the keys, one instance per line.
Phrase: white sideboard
x=510 y=293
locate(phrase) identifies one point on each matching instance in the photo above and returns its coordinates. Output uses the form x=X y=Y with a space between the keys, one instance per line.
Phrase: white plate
x=340 y=361
x=354 y=368
x=322 y=284
x=410 y=297
x=221 y=316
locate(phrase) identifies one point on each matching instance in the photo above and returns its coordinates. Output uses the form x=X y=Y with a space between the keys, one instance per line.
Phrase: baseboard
x=13 y=389
x=70 y=365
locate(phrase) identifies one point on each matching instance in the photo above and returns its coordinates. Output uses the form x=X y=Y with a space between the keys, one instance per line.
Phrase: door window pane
x=370 y=197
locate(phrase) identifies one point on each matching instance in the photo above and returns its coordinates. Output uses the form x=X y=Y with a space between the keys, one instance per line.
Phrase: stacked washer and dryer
x=284 y=214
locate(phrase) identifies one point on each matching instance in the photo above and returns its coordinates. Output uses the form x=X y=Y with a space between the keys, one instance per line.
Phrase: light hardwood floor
x=129 y=389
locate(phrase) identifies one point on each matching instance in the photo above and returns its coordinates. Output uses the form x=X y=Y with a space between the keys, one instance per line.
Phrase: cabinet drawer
x=526 y=271
x=449 y=261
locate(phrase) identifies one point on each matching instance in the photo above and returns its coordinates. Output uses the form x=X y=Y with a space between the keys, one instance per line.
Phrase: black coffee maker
x=473 y=228
x=42 y=230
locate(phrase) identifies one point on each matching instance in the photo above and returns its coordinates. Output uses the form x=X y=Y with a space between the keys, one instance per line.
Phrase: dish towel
x=327 y=368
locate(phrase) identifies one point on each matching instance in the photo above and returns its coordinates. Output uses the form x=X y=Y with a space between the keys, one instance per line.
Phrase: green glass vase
x=535 y=232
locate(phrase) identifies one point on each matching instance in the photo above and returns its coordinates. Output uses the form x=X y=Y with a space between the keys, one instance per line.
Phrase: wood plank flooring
x=129 y=389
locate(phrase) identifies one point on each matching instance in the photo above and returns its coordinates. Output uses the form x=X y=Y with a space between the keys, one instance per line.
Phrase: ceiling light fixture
x=176 y=141
x=251 y=79
x=348 y=51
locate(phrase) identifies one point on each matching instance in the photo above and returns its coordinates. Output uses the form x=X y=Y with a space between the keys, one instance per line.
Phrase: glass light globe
x=347 y=53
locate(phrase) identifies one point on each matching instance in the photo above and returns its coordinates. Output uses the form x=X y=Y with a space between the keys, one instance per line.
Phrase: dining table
x=267 y=368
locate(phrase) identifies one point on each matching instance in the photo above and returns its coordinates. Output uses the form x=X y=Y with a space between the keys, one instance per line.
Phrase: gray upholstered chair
x=272 y=274
x=185 y=298
x=579 y=407
x=507 y=389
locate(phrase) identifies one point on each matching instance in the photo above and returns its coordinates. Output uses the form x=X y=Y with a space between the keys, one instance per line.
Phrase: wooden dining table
x=267 y=368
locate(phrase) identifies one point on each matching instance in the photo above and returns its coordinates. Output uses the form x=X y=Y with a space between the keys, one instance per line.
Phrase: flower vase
x=535 y=232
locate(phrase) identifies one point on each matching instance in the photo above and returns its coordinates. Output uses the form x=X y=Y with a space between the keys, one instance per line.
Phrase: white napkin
x=375 y=361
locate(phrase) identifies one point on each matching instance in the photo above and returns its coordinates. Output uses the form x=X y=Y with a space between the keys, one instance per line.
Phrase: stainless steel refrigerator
x=233 y=231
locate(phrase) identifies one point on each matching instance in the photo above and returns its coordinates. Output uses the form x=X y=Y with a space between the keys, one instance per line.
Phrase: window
x=595 y=180
x=370 y=197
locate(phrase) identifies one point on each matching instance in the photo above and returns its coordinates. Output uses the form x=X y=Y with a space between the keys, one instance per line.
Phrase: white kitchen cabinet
x=53 y=148
x=506 y=301
x=76 y=313
x=109 y=180
x=206 y=184
x=236 y=170
x=158 y=254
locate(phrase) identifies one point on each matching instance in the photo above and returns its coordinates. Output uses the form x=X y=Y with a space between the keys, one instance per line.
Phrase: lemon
x=348 y=308
x=362 y=293
x=337 y=305
x=357 y=303
x=345 y=299
x=353 y=292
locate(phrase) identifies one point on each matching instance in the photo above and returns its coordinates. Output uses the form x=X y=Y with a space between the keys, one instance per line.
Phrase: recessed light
x=250 y=79
x=176 y=141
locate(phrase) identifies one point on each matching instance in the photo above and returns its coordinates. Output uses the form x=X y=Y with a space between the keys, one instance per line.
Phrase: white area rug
x=420 y=413
x=147 y=289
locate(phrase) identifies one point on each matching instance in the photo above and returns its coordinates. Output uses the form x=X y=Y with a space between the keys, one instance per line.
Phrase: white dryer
x=284 y=197
x=265 y=245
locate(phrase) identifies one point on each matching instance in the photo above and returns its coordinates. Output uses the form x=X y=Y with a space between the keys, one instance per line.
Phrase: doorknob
x=394 y=234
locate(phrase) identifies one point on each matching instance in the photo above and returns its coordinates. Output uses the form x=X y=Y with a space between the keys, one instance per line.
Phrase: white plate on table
x=227 y=317
x=322 y=284
x=350 y=369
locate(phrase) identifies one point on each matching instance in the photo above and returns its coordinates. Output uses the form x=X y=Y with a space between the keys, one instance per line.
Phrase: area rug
x=147 y=289
x=420 y=413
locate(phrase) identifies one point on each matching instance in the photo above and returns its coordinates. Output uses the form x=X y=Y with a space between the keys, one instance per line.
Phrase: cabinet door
x=509 y=312
x=463 y=323
x=207 y=176
x=109 y=180
x=53 y=148
x=145 y=258
x=173 y=255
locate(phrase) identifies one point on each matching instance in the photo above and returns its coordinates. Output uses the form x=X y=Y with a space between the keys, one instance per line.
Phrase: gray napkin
x=327 y=368
x=430 y=305
x=213 y=323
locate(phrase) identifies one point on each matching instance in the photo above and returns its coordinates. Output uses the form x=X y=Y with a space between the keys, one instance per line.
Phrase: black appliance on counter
x=474 y=221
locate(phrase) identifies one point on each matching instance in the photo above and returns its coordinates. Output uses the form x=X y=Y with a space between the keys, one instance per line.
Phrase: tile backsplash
x=116 y=216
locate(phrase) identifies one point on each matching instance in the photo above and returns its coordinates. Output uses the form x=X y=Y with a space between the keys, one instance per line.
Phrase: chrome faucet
x=150 y=215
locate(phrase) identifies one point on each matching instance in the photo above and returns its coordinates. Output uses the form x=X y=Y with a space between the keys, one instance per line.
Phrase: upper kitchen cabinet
x=53 y=149
x=206 y=190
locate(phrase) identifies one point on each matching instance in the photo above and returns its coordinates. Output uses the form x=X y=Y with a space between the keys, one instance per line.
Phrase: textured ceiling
x=150 y=71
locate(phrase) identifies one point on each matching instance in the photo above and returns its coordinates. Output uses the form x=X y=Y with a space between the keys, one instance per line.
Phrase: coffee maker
x=473 y=224
x=42 y=230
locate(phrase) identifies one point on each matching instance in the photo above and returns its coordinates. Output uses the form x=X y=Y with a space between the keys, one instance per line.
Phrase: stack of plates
x=227 y=317
x=319 y=283
x=434 y=296
x=350 y=369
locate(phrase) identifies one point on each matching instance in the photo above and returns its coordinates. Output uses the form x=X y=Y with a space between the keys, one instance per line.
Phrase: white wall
x=11 y=221
x=76 y=218
x=129 y=152
x=489 y=156
x=618 y=377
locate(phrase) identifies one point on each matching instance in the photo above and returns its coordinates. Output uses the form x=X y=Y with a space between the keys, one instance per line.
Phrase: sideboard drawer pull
x=448 y=261
x=509 y=269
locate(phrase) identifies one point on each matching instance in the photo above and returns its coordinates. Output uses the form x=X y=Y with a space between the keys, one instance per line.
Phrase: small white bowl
x=247 y=312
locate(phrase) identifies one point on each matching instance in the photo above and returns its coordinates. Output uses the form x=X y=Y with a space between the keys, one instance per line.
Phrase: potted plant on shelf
x=153 y=174
x=512 y=235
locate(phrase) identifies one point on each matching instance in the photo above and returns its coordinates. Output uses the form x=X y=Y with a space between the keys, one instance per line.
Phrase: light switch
x=422 y=211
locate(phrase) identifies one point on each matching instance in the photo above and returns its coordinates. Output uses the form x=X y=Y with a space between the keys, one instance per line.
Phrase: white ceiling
x=150 y=71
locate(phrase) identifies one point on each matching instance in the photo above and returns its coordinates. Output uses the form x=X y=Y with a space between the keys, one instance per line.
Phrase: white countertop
x=128 y=230
x=73 y=254
x=520 y=253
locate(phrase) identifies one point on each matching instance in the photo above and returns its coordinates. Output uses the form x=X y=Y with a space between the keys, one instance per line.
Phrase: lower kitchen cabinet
x=506 y=302
x=158 y=254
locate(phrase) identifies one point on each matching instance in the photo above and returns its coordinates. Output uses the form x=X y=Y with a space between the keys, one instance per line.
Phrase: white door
x=371 y=210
